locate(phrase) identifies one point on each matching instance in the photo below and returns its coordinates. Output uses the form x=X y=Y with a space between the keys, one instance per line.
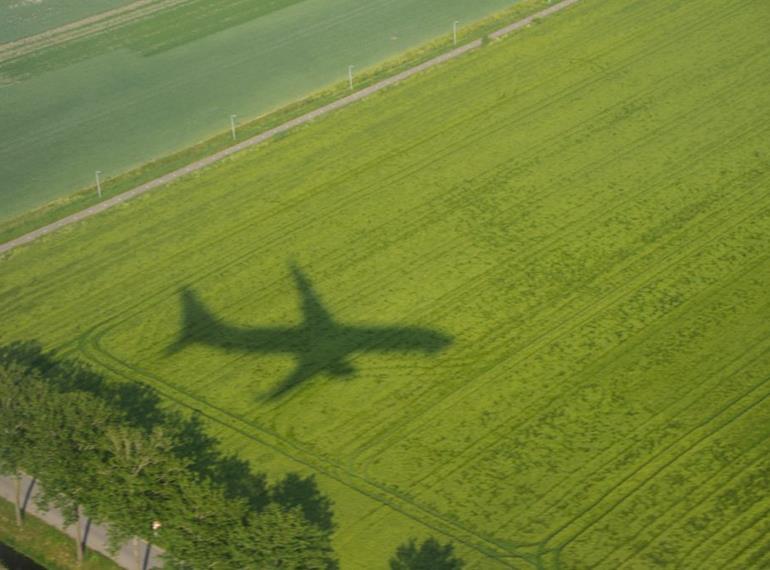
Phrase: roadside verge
x=63 y=218
x=95 y=536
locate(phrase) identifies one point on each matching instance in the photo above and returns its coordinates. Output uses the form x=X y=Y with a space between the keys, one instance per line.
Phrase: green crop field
x=581 y=211
x=157 y=76
x=22 y=18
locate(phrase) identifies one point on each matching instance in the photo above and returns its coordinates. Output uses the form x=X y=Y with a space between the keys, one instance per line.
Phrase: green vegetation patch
x=144 y=33
x=111 y=95
x=22 y=18
x=582 y=208
x=74 y=202
x=45 y=544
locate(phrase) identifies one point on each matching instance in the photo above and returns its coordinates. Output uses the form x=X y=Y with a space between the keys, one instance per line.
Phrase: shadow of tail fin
x=196 y=321
x=314 y=313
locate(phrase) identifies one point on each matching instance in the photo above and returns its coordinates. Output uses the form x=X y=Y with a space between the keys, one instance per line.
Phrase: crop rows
x=582 y=207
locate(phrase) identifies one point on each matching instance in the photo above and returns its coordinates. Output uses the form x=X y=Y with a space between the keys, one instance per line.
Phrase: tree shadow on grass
x=430 y=555
x=295 y=491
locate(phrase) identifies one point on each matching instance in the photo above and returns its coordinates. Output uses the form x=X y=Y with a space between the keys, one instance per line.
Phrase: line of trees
x=111 y=452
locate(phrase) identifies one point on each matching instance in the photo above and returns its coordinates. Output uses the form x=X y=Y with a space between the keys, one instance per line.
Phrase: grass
x=582 y=207
x=123 y=91
x=45 y=544
x=18 y=225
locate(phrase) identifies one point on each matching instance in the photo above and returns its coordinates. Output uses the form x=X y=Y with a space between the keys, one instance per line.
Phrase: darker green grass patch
x=44 y=544
x=151 y=35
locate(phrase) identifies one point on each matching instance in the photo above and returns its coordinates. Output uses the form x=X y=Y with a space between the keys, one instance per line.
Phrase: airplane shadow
x=319 y=344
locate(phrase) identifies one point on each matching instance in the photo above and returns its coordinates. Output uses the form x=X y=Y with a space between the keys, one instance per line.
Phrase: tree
x=110 y=451
x=199 y=522
x=203 y=456
x=14 y=424
x=282 y=538
x=68 y=430
x=136 y=463
x=431 y=555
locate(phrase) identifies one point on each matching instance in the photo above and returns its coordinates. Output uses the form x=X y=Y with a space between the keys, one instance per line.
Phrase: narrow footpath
x=95 y=535
x=304 y=119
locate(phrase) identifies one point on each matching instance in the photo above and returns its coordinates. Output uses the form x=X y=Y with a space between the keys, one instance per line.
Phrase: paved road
x=209 y=160
x=95 y=537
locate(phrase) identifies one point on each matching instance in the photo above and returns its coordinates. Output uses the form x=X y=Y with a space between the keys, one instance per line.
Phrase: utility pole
x=350 y=76
x=232 y=125
x=98 y=184
x=454 y=32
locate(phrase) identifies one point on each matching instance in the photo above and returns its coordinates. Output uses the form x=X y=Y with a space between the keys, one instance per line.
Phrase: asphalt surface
x=304 y=119
x=95 y=537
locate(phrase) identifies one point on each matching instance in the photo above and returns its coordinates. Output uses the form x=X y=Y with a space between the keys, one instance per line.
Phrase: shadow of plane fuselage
x=319 y=344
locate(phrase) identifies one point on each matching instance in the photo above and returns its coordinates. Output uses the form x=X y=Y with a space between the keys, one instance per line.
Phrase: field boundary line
x=336 y=471
x=275 y=131
x=90 y=346
x=85 y=26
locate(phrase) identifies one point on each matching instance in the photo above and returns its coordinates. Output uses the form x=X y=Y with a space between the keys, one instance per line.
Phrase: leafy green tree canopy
x=109 y=450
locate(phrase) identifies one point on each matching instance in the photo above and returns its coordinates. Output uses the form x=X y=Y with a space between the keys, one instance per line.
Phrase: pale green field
x=116 y=99
x=582 y=207
x=20 y=18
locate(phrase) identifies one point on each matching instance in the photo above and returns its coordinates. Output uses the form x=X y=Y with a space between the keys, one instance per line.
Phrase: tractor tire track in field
x=84 y=27
x=551 y=403
x=102 y=333
x=712 y=291
x=92 y=341
x=90 y=346
x=727 y=475
x=443 y=152
x=506 y=428
x=271 y=133
x=703 y=426
x=295 y=451
x=463 y=393
x=657 y=325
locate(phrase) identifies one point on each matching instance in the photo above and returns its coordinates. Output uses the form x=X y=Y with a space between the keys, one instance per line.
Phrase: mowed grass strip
x=582 y=207
x=45 y=544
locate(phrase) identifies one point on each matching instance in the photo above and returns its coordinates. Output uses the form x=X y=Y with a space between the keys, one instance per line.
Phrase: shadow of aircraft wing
x=307 y=369
x=302 y=372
